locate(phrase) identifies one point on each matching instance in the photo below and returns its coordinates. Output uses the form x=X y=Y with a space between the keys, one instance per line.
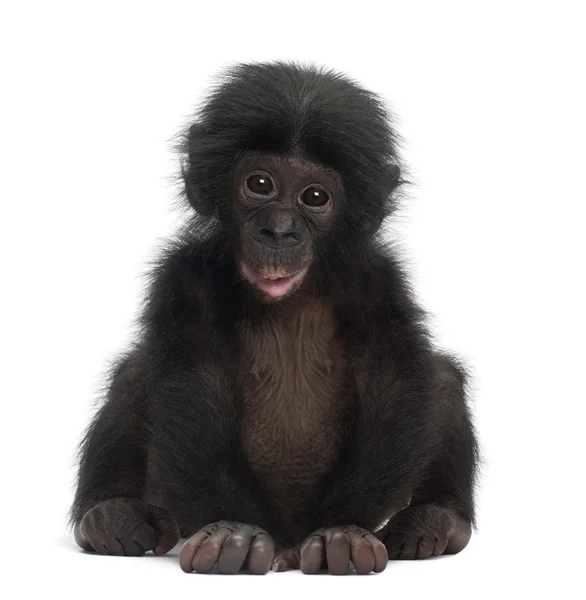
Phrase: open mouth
x=274 y=283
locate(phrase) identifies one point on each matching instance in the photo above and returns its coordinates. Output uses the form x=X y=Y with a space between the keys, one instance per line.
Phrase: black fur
x=168 y=430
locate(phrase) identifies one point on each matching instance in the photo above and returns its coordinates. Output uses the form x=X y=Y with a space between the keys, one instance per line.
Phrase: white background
x=490 y=100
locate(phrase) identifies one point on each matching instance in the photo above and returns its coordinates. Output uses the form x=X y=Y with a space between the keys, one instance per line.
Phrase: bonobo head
x=285 y=205
x=294 y=164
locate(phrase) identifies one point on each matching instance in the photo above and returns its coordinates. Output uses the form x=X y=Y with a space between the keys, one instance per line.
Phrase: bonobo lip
x=275 y=283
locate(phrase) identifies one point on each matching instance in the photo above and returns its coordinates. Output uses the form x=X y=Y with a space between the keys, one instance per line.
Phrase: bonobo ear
x=391 y=181
x=192 y=170
x=393 y=176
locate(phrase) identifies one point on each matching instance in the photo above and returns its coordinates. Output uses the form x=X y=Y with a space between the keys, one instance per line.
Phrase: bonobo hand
x=228 y=544
x=126 y=527
x=423 y=531
x=336 y=547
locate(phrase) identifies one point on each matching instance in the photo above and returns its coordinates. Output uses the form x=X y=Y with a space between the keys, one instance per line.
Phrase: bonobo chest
x=294 y=382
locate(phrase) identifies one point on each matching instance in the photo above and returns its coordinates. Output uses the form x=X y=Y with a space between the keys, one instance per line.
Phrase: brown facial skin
x=283 y=206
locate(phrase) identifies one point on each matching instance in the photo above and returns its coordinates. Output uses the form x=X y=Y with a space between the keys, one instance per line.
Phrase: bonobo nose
x=280 y=228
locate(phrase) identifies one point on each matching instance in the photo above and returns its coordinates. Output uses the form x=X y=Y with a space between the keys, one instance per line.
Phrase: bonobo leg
x=440 y=517
x=228 y=544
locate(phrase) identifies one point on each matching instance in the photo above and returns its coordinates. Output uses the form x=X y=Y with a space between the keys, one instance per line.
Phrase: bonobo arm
x=113 y=452
x=108 y=513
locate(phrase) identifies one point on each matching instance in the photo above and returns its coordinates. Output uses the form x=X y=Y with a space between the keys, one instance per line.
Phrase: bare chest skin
x=293 y=378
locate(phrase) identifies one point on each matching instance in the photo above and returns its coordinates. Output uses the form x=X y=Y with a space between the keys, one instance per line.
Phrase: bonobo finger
x=260 y=556
x=337 y=552
x=361 y=553
x=312 y=554
x=115 y=546
x=381 y=557
x=235 y=549
x=142 y=540
x=404 y=548
x=209 y=552
x=134 y=549
x=425 y=547
x=189 y=550
x=80 y=538
x=441 y=543
x=167 y=530
x=101 y=548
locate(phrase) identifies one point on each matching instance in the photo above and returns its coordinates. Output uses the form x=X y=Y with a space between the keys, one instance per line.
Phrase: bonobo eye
x=260 y=183
x=315 y=196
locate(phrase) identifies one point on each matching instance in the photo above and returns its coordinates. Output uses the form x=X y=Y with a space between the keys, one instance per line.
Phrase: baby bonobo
x=282 y=406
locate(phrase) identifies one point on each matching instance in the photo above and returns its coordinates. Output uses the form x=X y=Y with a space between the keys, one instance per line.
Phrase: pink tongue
x=275 y=287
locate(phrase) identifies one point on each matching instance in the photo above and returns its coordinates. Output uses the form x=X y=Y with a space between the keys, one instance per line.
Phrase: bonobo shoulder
x=388 y=287
x=180 y=281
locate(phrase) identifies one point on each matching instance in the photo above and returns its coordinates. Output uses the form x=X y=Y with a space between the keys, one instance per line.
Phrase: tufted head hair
x=287 y=108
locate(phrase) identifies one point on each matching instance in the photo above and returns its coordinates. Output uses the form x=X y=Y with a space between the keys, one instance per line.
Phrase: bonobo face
x=284 y=206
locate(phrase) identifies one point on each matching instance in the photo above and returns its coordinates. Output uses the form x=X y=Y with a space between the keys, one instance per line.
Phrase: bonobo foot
x=423 y=531
x=337 y=547
x=126 y=527
x=229 y=544
x=287 y=559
